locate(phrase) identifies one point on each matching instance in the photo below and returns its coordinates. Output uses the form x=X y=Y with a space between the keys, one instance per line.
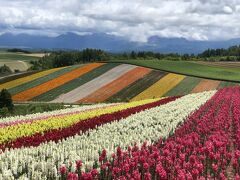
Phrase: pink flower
x=222 y=176
x=161 y=172
x=104 y=154
x=214 y=167
x=94 y=173
x=78 y=164
x=72 y=176
x=147 y=176
x=145 y=166
x=63 y=169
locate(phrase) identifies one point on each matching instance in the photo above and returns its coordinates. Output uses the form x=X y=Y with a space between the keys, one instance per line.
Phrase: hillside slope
x=105 y=82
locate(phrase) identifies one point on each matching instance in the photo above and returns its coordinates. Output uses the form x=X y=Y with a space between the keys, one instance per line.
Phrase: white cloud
x=136 y=19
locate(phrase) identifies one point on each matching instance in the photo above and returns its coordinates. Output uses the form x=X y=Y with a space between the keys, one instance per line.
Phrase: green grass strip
x=184 y=87
x=41 y=80
x=54 y=93
x=16 y=57
x=189 y=69
x=137 y=87
x=226 y=84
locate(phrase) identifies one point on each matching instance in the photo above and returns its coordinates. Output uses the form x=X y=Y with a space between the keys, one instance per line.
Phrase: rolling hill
x=104 y=82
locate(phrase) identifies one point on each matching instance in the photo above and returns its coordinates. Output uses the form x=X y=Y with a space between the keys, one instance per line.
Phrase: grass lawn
x=189 y=68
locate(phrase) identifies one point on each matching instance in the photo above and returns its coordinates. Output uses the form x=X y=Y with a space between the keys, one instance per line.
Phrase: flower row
x=44 y=160
x=49 y=114
x=202 y=148
x=11 y=133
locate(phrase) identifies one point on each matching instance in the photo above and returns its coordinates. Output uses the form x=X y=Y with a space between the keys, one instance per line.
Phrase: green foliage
x=233 y=51
x=25 y=109
x=5 y=70
x=6 y=100
x=67 y=58
x=4 y=112
x=18 y=50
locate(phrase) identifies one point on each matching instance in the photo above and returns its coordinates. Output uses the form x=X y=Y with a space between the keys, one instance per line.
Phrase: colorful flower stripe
x=199 y=149
x=137 y=87
x=11 y=133
x=44 y=161
x=81 y=126
x=23 y=80
x=41 y=80
x=113 y=87
x=75 y=83
x=95 y=84
x=161 y=87
x=184 y=87
x=206 y=85
x=58 y=113
x=36 y=91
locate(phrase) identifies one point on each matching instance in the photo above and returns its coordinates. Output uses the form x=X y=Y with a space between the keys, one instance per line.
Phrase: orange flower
x=47 y=86
x=206 y=85
x=115 y=86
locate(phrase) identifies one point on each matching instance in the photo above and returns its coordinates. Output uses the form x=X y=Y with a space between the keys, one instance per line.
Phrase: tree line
x=68 y=58
x=230 y=54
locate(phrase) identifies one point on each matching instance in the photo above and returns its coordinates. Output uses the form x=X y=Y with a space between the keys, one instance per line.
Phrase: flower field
x=104 y=82
x=149 y=139
x=47 y=86
x=112 y=88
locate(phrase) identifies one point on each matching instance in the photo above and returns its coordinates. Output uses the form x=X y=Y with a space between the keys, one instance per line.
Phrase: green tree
x=6 y=100
x=5 y=70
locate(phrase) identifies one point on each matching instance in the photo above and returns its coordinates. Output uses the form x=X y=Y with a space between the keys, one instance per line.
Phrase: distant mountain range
x=111 y=43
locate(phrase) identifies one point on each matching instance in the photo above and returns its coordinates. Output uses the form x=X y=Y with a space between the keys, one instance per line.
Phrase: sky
x=136 y=20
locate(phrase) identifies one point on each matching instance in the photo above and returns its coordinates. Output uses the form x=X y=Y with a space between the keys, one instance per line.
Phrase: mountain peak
x=111 y=43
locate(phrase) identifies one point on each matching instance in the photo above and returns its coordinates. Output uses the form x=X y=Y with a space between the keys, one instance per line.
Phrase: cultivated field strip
x=41 y=80
x=75 y=83
x=26 y=79
x=206 y=85
x=95 y=84
x=137 y=87
x=184 y=87
x=226 y=84
x=153 y=120
x=47 y=86
x=115 y=86
x=161 y=87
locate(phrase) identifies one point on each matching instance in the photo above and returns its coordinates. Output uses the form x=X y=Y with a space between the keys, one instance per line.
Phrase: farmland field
x=190 y=68
x=104 y=82
x=169 y=138
x=159 y=125
x=17 y=61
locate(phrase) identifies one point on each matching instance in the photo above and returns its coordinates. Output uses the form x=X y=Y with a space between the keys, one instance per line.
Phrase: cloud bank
x=135 y=20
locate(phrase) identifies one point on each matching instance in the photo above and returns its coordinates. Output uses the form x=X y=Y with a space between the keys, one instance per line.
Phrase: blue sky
x=133 y=19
